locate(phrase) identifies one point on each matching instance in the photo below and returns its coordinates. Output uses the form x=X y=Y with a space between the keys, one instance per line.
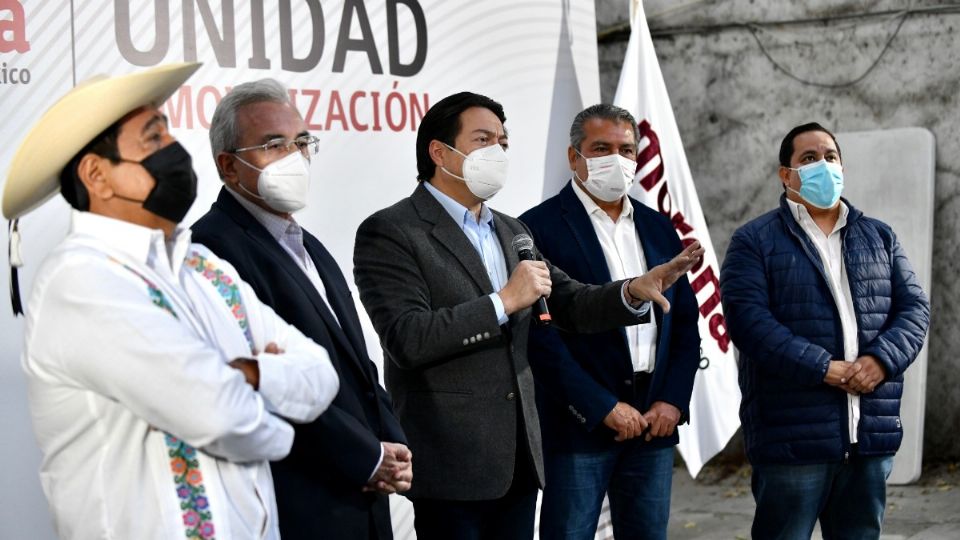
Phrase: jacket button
x=628 y=382
x=486 y=335
x=511 y=396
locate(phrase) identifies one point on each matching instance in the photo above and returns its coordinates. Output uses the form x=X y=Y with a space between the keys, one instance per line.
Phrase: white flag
x=664 y=183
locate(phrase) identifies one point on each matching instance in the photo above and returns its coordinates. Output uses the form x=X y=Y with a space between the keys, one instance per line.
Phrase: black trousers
x=508 y=518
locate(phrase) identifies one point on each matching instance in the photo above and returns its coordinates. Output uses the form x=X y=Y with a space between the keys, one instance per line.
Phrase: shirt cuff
x=499 y=309
x=273 y=384
x=640 y=310
x=379 y=462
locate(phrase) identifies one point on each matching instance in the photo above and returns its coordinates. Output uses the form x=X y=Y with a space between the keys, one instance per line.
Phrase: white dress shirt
x=127 y=340
x=624 y=257
x=289 y=234
x=830 y=249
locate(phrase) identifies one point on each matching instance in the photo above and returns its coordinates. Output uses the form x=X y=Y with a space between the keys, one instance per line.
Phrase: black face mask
x=176 y=184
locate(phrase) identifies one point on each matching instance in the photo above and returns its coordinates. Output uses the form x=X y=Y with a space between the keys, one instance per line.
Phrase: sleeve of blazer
x=563 y=381
x=391 y=429
x=752 y=326
x=341 y=444
x=902 y=337
x=581 y=308
x=396 y=295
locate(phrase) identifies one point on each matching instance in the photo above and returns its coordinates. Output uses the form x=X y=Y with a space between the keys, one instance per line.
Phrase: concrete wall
x=733 y=107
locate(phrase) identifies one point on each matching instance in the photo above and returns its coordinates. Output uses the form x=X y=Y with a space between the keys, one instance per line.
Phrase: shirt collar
x=800 y=213
x=592 y=207
x=460 y=213
x=140 y=243
x=278 y=227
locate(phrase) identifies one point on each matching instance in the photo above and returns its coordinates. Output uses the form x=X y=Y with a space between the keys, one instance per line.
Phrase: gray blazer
x=458 y=379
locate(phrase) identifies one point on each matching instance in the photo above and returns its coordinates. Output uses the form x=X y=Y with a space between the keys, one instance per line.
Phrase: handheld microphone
x=523 y=245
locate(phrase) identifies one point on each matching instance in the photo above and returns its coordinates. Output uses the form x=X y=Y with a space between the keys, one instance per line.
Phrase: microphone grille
x=522 y=242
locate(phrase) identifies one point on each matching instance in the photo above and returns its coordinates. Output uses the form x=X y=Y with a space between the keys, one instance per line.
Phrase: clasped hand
x=659 y=421
x=858 y=377
x=395 y=473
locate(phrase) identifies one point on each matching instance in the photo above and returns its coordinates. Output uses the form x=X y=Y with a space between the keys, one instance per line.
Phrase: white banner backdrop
x=664 y=183
x=362 y=74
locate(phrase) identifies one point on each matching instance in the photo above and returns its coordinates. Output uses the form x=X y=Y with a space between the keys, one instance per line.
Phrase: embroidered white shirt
x=624 y=258
x=830 y=249
x=126 y=351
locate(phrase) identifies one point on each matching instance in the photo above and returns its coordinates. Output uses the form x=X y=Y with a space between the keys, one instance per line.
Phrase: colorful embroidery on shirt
x=156 y=295
x=184 y=464
x=226 y=287
x=189 y=482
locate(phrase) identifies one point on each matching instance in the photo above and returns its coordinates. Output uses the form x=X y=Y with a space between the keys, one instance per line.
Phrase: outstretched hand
x=650 y=286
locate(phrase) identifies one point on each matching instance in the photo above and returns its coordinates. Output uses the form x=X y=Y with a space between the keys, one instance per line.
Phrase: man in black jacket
x=334 y=483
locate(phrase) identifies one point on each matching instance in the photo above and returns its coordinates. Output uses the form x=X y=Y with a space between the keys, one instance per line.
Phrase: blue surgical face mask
x=821 y=183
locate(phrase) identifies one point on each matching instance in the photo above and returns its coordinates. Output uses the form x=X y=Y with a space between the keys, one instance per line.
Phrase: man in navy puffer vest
x=827 y=314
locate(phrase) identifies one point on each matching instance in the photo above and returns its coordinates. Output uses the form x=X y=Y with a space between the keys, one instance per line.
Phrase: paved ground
x=719 y=505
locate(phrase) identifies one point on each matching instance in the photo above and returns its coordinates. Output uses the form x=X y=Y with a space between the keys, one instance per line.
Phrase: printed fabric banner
x=362 y=73
x=664 y=183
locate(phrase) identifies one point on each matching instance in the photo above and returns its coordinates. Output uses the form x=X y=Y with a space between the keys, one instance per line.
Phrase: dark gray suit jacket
x=459 y=380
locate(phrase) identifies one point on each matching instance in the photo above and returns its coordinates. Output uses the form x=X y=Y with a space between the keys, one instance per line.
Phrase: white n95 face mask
x=484 y=170
x=283 y=184
x=608 y=177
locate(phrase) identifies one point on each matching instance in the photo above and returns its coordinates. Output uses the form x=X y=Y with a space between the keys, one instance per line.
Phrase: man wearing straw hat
x=157 y=380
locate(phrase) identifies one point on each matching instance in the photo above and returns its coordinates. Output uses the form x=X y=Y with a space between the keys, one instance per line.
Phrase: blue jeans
x=636 y=479
x=848 y=498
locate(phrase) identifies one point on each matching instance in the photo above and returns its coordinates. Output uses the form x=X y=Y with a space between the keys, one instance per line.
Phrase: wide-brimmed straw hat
x=73 y=121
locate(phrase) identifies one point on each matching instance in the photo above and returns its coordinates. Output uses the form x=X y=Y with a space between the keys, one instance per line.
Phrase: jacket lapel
x=577 y=219
x=505 y=237
x=655 y=256
x=269 y=245
x=340 y=301
x=451 y=236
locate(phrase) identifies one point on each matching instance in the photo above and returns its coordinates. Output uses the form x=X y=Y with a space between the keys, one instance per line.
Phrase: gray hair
x=224 y=134
x=605 y=112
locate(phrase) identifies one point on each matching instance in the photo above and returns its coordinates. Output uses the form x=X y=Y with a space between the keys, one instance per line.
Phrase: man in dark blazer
x=334 y=483
x=586 y=384
x=451 y=301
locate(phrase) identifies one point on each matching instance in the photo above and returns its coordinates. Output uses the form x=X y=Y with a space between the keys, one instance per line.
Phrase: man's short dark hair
x=786 y=146
x=603 y=111
x=103 y=145
x=442 y=122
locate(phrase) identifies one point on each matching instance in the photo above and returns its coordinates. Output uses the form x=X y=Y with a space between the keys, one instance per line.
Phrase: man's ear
x=227 y=167
x=93 y=171
x=572 y=158
x=784 y=174
x=435 y=149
